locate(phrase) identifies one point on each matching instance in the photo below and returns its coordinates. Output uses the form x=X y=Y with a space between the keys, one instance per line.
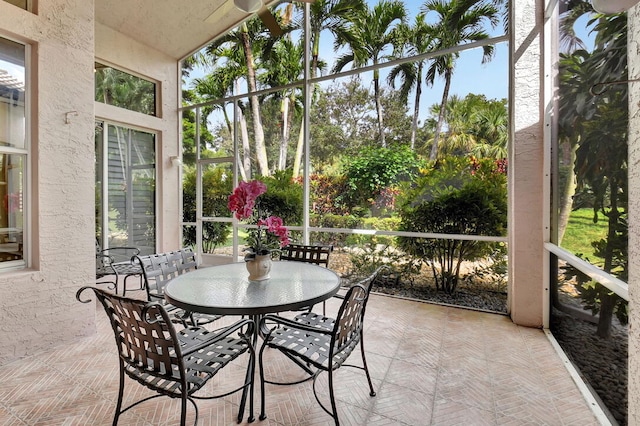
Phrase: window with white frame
x=13 y=152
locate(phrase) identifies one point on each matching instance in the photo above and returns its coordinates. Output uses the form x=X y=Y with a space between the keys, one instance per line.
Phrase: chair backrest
x=368 y=282
x=316 y=254
x=159 y=269
x=189 y=261
x=116 y=254
x=146 y=339
x=349 y=322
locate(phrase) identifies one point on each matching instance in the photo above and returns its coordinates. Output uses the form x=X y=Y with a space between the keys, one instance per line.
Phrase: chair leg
x=249 y=379
x=334 y=408
x=120 y=396
x=263 y=415
x=251 y=419
x=183 y=411
x=372 y=392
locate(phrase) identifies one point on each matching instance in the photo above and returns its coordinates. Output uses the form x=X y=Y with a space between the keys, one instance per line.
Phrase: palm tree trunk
x=376 y=91
x=299 y=147
x=261 y=151
x=284 y=141
x=246 y=147
x=608 y=301
x=245 y=170
x=416 y=106
x=566 y=202
x=441 y=114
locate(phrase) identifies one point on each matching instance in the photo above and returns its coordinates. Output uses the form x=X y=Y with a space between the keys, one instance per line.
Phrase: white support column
x=526 y=161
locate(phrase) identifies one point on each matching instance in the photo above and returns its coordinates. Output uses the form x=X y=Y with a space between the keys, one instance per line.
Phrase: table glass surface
x=226 y=289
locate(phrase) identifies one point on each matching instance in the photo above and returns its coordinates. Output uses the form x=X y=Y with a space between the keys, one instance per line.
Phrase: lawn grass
x=581 y=232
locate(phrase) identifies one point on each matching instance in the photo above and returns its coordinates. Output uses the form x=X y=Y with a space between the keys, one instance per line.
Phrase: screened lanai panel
x=591 y=176
x=217 y=184
x=217 y=130
x=589 y=239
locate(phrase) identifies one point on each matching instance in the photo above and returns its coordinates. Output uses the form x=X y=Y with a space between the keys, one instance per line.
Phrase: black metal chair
x=172 y=363
x=117 y=262
x=317 y=320
x=158 y=269
x=317 y=254
x=318 y=346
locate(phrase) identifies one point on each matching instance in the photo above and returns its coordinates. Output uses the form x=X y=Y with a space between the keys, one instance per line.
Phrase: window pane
x=12 y=91
x=118 y=88
x=131 y=184
x=12 y=212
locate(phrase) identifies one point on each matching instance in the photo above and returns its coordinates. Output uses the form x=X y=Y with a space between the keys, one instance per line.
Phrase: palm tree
x=369 y=35
x=475 y=125
x=459 y=22
x=324 y=15
x=218 y=85
x=328 y=15
x=417 y=40
x=242 y=41
x=282 y=66
x=492 y=130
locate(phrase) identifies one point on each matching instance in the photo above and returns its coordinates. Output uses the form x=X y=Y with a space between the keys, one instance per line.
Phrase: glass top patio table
x=226 y=289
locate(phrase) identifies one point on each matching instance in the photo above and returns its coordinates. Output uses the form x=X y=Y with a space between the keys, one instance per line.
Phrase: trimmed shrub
x=455 y=197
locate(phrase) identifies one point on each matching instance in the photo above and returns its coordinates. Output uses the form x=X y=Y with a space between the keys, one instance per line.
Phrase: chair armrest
x=219 y=334
x=124 y=251
x=274 y=319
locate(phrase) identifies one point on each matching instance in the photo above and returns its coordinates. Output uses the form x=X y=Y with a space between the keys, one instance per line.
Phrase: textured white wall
x=37 y=306
x=526 y=164
x=634 y=217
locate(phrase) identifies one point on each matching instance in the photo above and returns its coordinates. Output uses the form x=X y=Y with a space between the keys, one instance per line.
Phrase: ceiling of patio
x=175 y=27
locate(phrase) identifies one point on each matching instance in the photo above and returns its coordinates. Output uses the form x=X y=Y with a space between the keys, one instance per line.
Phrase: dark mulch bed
x=474 y=298
x=601 y=362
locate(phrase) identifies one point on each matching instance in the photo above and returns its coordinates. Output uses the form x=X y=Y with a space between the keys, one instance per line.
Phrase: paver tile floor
x=431 y=365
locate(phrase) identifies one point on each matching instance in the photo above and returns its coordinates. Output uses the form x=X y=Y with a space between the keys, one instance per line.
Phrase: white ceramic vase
x=259 y=267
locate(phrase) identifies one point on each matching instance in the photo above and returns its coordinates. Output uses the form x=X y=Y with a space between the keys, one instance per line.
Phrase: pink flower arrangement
x=271 y=233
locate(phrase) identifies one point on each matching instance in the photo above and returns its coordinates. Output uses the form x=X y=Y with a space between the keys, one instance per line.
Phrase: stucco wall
x=526 y=164
x=37 y=306
x=634 y=217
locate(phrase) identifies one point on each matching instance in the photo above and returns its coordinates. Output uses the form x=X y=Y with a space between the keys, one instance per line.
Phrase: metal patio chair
x=117 y=262
x=317 y=320
x=318 y=349
x=317 y=254
x=172 y=363
x=158 y=269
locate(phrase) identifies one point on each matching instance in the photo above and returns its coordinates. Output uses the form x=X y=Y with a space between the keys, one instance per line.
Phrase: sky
x=470 y=75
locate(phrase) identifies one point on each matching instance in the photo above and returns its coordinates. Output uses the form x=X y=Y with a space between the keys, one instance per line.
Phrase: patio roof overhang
x=174 y=27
